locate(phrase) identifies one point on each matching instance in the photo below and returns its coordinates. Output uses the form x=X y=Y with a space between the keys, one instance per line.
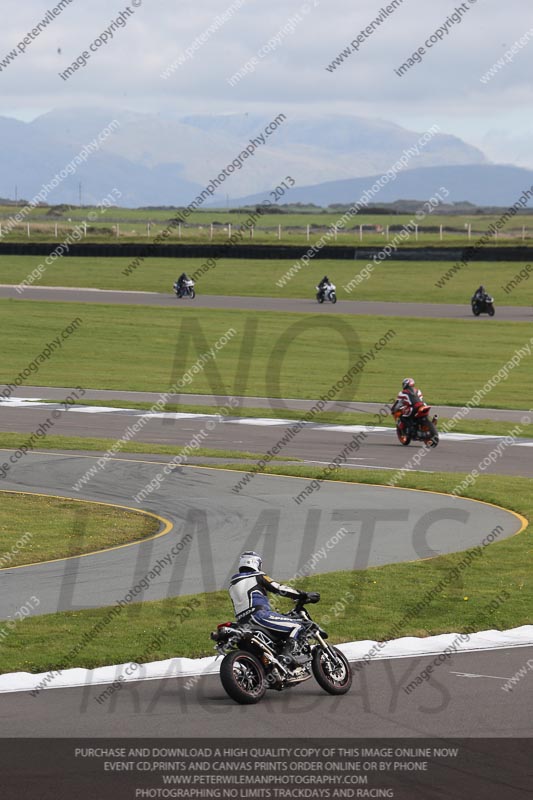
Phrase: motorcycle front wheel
x=491 y=310
x=403 y=438
x=192 y=294
x=243 y=677
x=333 y=297
x=331 y=670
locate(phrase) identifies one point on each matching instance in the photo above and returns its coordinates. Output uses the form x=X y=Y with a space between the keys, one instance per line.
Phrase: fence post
x=279 y=232
x=360 y=233
x=229 y=230
x=307 y=231
x=28 y=229
x=440 y=233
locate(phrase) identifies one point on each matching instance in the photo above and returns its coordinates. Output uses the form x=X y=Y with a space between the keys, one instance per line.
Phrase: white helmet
x=251 y=560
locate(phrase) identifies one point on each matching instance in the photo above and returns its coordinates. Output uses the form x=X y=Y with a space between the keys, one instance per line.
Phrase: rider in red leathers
x=406 y=400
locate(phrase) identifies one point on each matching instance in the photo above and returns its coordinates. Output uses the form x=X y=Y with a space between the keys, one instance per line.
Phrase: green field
x=383 y=596
x=133 y=225
x=50 y=527
x=398 y=281
x=270 y=355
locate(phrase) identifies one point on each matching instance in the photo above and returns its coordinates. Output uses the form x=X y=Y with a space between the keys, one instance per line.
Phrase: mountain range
x=168 y=158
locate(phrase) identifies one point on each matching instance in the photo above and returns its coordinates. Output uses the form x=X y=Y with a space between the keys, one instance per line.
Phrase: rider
x=248 y=592
x=323 y=283
x=181 y=281
x=480 y=294
x=406 y=399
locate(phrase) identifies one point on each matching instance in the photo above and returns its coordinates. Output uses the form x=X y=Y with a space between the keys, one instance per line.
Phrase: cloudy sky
x=287 y=47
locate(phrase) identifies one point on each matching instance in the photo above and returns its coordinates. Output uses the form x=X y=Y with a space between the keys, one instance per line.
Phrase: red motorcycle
x=418 y=427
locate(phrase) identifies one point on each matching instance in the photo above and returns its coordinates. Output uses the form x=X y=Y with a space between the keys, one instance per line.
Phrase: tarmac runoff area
x=422 y=310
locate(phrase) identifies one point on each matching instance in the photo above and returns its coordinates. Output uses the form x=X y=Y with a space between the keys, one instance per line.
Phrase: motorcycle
x=185 y=290
x=253 y=660
x=326 y=292
x=483 y=305
x=418 y=427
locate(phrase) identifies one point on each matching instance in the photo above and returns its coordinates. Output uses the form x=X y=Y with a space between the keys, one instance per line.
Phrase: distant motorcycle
x=418 y=427
x=185 y=290
x=253 y=661
x=483 y=305
x=326 y=292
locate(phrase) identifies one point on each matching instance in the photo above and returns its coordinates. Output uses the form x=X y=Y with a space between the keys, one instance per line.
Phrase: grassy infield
x=60 y=528
x=452 y=354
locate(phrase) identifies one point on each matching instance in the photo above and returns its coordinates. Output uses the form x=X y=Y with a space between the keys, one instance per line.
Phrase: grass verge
x=15 y=440
x=35 y=528
x=381 y=597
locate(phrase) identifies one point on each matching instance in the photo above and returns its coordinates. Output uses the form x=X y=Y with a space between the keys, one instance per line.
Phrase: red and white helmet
x=408 y=383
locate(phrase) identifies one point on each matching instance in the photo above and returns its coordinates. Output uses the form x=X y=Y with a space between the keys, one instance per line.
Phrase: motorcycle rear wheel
x=243 y=677
x=331 y=670
x=476 y=311
x=320 y=297
x=433 y=439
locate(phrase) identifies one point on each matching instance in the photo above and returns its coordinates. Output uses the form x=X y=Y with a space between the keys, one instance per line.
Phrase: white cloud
x=443 y=89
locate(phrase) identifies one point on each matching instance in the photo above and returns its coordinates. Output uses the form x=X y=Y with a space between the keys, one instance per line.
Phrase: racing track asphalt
x=463 y=698
x=380 y=525
x=423 y=310
x=317 y=444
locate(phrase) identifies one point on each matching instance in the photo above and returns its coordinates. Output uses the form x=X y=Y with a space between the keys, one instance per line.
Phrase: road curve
x=212 y=524
x=422 y=310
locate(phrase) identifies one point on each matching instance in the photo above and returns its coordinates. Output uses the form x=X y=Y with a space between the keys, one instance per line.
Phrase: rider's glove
x=312 y=597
